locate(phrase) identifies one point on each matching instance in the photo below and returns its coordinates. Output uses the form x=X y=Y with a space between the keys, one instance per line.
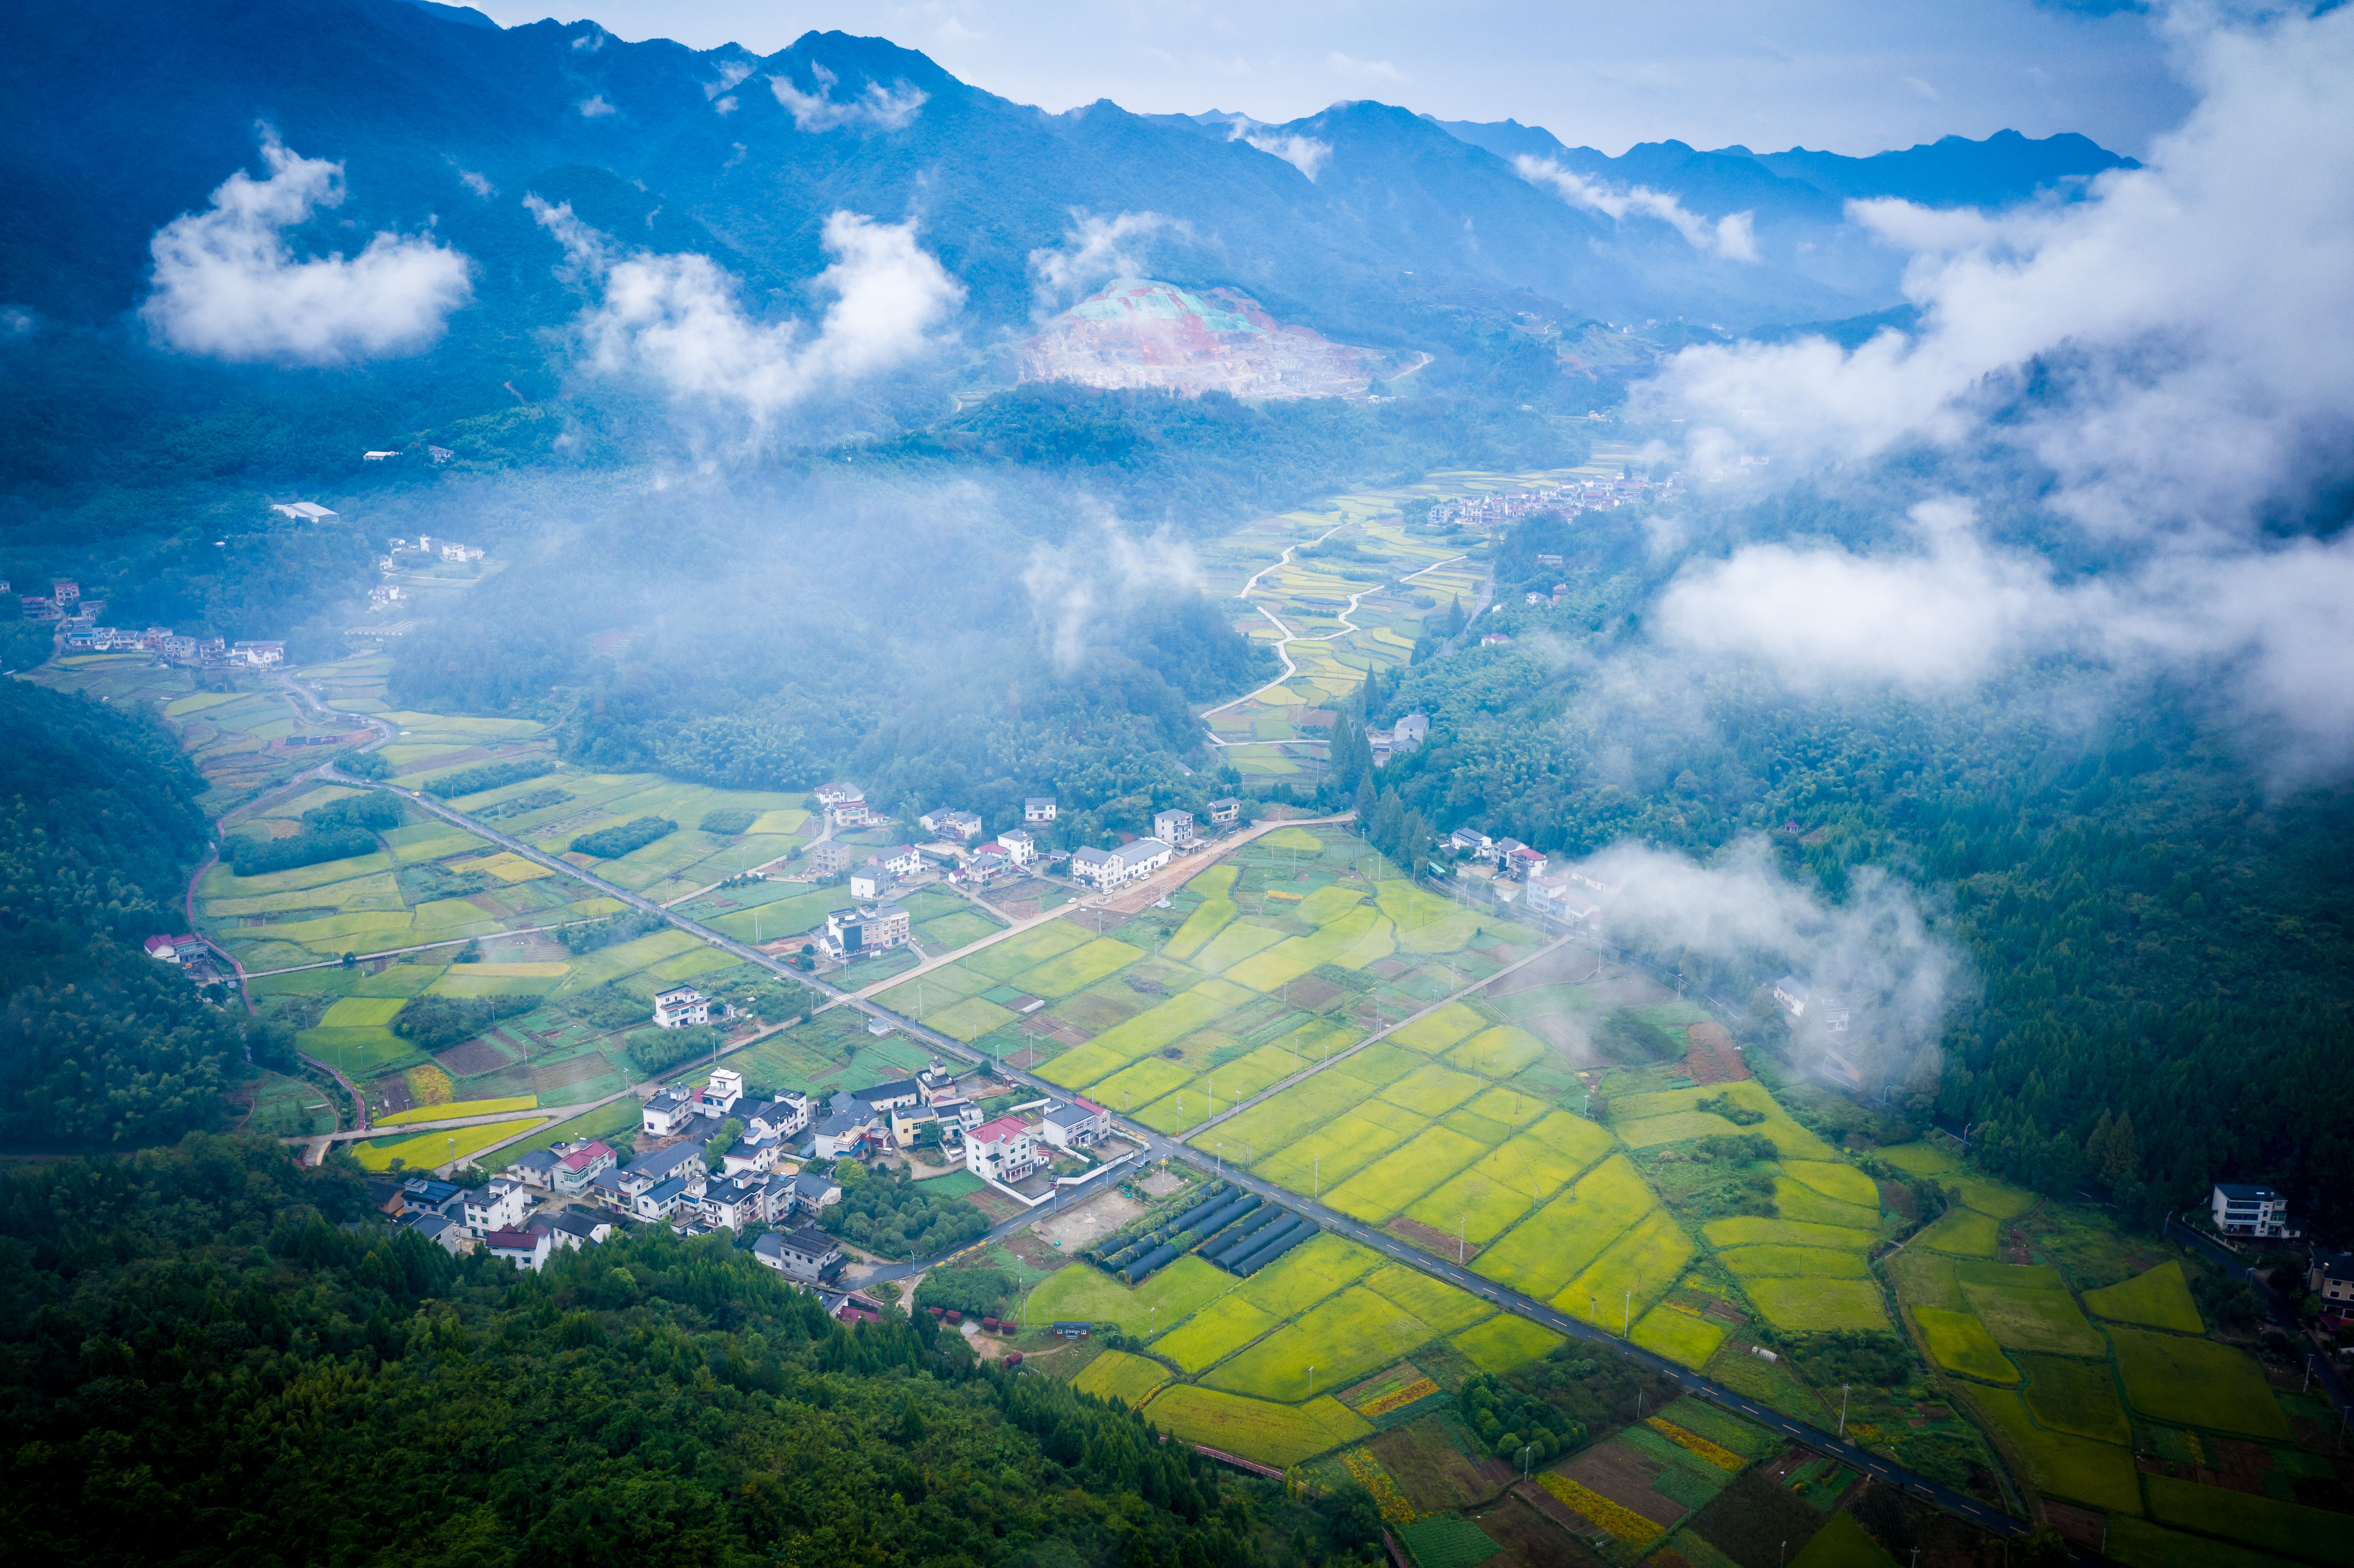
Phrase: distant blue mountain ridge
x=1361 y=219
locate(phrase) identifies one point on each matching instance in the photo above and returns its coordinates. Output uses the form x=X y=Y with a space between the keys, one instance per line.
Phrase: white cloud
x=594 y=107
x=731 y=72
x=2161 y=349
x=1080 y=590
x=1380 y=71
x=675 y=319
x=1820 y=615
x=1873 y=948
x=227 y=285
x=478 y=184
x=1305 y=153
x=1733 y=238
x=878 y=107
x=1922 y=90
x=1093 y=251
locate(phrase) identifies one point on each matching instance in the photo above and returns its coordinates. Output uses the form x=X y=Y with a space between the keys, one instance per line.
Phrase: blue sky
x=1853 y=75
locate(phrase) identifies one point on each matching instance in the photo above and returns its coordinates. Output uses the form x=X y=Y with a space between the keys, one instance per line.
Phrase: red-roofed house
x=1002 y=1150
x=577 y=1169
x=525 y=1249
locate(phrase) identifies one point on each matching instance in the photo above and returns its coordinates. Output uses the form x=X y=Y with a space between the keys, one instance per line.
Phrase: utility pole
x=1312 y=1380
x=1843 y=1431
x=1460 y=1226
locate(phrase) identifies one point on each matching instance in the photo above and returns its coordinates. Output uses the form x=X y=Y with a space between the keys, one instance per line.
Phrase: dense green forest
x=2158 y=936
x=208 y=1355
x=100 y=1045
x=1165 y=457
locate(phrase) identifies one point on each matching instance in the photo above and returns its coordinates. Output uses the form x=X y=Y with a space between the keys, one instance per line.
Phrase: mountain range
x=120 y=114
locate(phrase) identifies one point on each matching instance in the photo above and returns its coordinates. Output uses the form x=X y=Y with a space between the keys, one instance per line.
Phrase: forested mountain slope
x=201 y=1364
x=2157 y=933
x=100 y=1045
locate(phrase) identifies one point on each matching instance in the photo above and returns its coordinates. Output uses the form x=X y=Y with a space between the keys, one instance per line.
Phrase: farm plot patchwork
x=2159 y=1299
x=2027 y=1309
x=2100 y=1473
x=1678 y=1335
x=1497 y=1189
x=1079 y=1293
x=1115 y=1375
x=1272 y=1434
x=1545 y=1250
x=1079 y=968
x=2075 y=1396
x=1958 y=1342
x=2196 y=1383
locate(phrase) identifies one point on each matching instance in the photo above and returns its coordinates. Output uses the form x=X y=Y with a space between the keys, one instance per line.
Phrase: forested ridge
x=2163 y=967
x=99 y=828
x=211 y=1356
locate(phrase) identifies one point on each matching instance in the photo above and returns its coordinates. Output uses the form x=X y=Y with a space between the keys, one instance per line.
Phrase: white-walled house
x=1019 y=846
x=1038 y=809
x=1108 y=869
x=1175 y=829
x=1081 y=1124
x=2241 y=1210
x=1002 y=1150
x=680 y=1006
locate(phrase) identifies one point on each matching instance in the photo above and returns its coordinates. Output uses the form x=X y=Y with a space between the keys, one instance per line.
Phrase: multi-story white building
x=499 y=1205
x=845 y=804
x=1108 y=869
x=962 y=826
x=2246 y=1211
x=871 y=930
x=1002 y=1150
x=1019 y=846
x=1175 y=829
x=1038 y=809
x=1081 y=1124
x=1226 y=811
x=680 y=1006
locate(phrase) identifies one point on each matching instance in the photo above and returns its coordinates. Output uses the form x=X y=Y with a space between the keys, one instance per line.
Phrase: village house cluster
x=1593 y=495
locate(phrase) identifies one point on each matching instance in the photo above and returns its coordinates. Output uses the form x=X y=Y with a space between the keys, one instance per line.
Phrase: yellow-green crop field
x=1958 y=1342
x=423 y=1149
x=1547 y=1250
x=1635 y=1270
x=1746 y=1230
x=2027 y=1309
x=2159 y=1299
x=1398 y=1178
x=2067 y=1395
x=1340 y=1339
x=1770 y=1260
x=1965 y=1233
x=1436 y=1032
x=1208 y=918
x=1077 y=1293
x=2099 y=1474
x=1500 y=1188
x=1213 y=1333
x=1815 y=1304
x=1307 y=1275
x=1272 y=1434
x=1115 y=1375
x=2196 y=1383
x=1000 y=961
x=1505 y=1343
x=459 y=1109
x=1079 y=968
x=1678 y=1335
x=1841 y=1183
